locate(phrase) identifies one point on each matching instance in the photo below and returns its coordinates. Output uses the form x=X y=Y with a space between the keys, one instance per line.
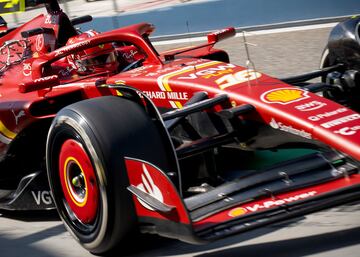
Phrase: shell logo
x=284 y=95
x=237 y=212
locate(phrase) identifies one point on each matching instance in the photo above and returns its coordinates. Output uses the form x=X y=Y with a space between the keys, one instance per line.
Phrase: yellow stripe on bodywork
x=6 y=132
x=165 y=79
x=178 y=104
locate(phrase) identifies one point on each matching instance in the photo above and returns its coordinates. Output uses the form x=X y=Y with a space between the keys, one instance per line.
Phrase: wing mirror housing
x=221 y=35
x=40 y=83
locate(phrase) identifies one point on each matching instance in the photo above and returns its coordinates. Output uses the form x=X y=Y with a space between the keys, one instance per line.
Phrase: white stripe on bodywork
x=160 y=79
x=4 y=139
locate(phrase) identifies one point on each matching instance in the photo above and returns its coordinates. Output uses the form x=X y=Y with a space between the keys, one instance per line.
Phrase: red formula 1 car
x=183 y=144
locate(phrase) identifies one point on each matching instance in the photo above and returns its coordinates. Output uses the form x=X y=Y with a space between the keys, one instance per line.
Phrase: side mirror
x=40 y=83
x=81 y=19
x=221 y=35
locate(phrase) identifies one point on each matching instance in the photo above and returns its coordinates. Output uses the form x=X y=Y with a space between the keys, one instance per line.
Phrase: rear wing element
x=213 y=38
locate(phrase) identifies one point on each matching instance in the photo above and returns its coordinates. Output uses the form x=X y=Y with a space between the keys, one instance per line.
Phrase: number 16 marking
x=237 y=78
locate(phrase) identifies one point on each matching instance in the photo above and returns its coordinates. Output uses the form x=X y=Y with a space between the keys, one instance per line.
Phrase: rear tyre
x=86 y=146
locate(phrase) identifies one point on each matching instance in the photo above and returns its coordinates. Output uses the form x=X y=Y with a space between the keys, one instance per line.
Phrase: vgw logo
x=42 y=197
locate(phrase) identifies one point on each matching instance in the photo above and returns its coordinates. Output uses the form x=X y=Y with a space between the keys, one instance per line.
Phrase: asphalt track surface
x=332 y=233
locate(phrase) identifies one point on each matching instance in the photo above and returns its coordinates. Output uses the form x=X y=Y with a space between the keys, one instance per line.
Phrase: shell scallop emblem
x=284 y=95
x=237 y=212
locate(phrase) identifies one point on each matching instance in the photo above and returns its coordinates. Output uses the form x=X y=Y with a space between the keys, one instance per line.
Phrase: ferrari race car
x=120 y=138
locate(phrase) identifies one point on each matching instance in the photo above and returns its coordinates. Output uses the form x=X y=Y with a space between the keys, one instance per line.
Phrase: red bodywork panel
x=280 y=105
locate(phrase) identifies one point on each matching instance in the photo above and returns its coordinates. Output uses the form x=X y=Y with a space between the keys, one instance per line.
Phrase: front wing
x=241 y=205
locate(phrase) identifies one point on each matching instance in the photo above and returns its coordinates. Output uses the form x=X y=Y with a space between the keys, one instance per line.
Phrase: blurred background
x=195 y=16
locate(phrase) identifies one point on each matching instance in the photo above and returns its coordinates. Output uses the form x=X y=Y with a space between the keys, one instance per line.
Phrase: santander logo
x=148 y=186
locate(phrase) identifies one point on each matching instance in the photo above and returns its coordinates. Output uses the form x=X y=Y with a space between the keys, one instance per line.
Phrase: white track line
x=251 y=33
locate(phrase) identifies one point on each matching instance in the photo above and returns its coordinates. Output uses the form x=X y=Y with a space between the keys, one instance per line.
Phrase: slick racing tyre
x=86 y=146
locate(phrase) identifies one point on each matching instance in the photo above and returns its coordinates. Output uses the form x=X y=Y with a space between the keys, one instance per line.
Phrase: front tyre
x=86 y=146
x=324 y=62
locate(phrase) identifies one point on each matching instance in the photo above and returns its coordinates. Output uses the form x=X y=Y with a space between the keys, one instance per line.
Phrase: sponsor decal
x=39 y=43
x=163 y=80
x=237 y=78
x=340 y=121
x=310 y=106
x=321 y=116
x=27 y=69
x=120 y=82
x=219 y=32
x=272 y=203
x=284 y=95
x=177 y=95
x=166 y=95
x=138 y=69
x=130 y=56
x=160 y=71
x=71 y=47
x=148 y=186
x=195 y=62
x=348 y=131
x=287 y=128
x=211 y=72
x=43 y=79
x=50 y=19
x=267 y=204
x=237 y=212
x=42 y=197
x=18 y=116
x=155 y=94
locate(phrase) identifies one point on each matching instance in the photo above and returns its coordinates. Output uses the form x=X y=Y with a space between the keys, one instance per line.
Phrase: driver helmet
x=97 y=59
